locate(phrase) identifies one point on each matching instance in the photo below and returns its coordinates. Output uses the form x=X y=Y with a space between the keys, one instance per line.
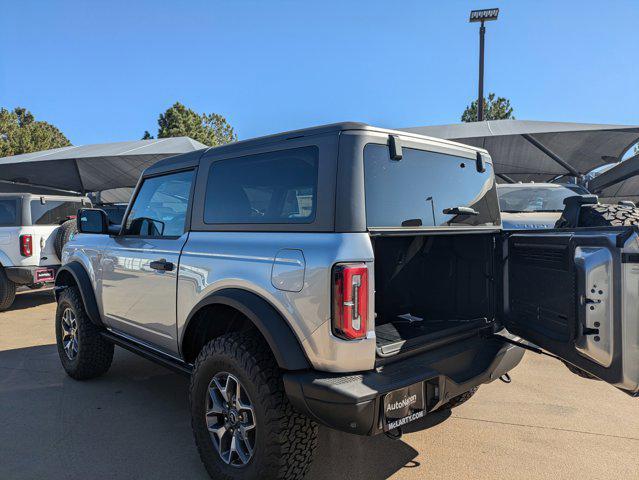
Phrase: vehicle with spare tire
x=344 y=275
x=531 y=206
x=33 y=230
x=534 y=205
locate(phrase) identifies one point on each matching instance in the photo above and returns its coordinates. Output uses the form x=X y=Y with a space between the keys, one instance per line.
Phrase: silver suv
x=346 y=275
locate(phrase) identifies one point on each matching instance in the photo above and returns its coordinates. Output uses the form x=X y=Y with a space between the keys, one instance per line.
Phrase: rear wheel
x=63 y=235
x=83 y=351
x=7 y=291
x=243 y=423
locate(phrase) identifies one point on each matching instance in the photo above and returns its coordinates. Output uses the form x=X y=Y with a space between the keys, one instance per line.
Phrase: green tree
x=494 y=109
x=211 y=129
x=20 y=133
x=147 y=135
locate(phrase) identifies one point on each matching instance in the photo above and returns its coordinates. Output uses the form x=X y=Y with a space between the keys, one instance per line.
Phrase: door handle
x=162 y=265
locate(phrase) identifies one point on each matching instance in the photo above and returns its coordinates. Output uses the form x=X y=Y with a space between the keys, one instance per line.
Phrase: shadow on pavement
x=134 y=423
x=32 y=298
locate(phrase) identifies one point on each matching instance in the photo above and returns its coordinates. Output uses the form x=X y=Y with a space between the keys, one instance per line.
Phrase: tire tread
x=95 y=353
x=7 y=291
x=292 y=435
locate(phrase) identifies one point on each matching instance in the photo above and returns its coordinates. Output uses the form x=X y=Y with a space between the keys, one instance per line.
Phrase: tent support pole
x=505 y=177
x=620 y=172
x=9 y=182
x=551 y=154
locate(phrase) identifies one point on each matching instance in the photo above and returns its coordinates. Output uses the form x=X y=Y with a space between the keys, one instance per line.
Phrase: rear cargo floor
x=402 y=334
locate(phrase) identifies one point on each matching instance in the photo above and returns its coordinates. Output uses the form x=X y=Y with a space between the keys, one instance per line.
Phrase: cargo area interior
x=431 y=290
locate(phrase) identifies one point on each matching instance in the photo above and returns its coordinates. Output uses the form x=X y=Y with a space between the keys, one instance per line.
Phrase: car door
x=576 y=295
x=139 y=266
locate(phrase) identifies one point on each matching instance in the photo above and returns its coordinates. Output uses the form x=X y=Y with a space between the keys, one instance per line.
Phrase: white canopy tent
x=92 y=168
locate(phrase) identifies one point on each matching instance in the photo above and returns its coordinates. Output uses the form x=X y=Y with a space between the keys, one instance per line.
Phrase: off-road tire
x=63 y=235
x=604 y=215
x=95 y=354
x=7 y=291
x=285 y=439
x=459 y=399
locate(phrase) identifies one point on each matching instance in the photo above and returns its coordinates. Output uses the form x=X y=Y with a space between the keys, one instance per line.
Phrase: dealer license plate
x=403 y=406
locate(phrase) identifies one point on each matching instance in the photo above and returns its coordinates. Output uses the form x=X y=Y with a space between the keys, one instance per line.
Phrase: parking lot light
x=482 y=16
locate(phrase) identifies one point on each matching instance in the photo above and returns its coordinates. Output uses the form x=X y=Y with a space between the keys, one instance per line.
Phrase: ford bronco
x=342 y=275
x=33 y=230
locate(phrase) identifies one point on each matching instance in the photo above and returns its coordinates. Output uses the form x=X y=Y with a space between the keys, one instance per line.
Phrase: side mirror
x=93 y=220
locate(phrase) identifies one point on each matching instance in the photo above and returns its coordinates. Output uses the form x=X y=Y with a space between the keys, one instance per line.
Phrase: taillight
x=26 y=245
x=350 y=300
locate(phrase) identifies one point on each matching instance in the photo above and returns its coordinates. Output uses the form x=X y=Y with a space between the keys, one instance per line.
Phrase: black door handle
x=162 y=265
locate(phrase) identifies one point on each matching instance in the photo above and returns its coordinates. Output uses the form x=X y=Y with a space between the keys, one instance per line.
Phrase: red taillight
x=26 y=245
x=350 y=300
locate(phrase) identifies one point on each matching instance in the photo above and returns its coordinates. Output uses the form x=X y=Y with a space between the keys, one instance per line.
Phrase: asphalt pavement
x=134 y=422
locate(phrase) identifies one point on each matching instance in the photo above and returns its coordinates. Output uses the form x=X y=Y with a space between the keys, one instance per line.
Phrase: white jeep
x=33 y=230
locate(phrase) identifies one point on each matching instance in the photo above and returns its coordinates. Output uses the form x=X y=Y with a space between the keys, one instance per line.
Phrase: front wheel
x=84 y=353
x=243 y=423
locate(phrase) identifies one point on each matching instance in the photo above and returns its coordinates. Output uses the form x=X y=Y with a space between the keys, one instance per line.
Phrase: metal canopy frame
x=552 y=155
x=623 y=171
x=543 y=151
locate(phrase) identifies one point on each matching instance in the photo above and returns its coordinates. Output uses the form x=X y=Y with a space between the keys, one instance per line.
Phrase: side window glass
x=8 y=213
x=276 y=187
x=160 y=207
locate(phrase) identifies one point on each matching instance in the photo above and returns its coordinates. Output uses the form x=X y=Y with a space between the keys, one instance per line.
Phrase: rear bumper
x=352 y=402
x=31 y=275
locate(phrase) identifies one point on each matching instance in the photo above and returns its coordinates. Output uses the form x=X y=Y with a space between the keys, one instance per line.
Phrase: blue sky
x=103 y=71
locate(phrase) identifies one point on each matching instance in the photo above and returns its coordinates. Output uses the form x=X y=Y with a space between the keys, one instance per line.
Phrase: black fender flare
x=278 y=334
x=82 y=280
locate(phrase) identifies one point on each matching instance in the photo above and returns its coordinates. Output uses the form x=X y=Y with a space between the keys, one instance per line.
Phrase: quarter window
x=160 y=207
x=8 y=213
x=275 y=187
x=53 y=212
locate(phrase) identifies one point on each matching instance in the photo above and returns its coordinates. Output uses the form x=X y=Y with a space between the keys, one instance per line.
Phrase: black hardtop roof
x=192 y=159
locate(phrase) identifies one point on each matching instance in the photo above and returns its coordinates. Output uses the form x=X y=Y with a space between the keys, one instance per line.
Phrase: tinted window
x=8 y=213
x=53 y=212
x=160 y=207
x=115 y=213
x=275 y=187
x=533 y=198
x=419 y=188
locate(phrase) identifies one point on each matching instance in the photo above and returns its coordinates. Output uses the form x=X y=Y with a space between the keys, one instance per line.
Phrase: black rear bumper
x=352 y=402
x=31 y=275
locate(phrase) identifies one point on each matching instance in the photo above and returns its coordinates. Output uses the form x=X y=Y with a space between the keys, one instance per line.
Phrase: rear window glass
x=275 y=187
x=53 y=212
x=427 y=189
x=8 y=213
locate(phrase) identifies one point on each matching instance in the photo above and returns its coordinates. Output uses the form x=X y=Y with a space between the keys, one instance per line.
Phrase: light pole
x=482 y=16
